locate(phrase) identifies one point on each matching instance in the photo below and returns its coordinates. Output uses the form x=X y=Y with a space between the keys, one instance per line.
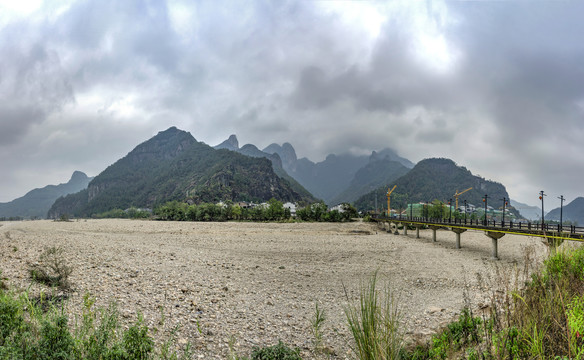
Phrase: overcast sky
x=497 y=86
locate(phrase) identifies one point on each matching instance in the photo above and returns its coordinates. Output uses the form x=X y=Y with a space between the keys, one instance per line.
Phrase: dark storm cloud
x=32 y=84
x=503 y=81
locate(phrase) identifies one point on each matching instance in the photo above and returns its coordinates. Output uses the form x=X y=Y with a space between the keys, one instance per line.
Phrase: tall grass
x=375 y=323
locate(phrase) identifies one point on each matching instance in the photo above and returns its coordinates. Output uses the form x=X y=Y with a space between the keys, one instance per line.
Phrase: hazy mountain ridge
x=174 y=166
x=333 y=179
x=573 y=212
x=378 y=172
x=527 y=211
x=436 y=178
x=37 y=202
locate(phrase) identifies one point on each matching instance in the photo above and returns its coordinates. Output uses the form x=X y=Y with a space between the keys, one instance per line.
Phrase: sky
x=497 y=86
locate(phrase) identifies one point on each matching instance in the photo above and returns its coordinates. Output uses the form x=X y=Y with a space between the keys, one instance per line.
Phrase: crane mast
x=460 y=193
x=389 y=201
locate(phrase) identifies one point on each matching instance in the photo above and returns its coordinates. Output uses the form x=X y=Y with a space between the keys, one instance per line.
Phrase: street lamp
x=465 y=211
x=485 y=199
x=561 y=211
x=504 y=205
x=450 y=208
x=541 y=195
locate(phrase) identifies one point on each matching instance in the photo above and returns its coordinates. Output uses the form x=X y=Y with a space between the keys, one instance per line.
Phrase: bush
x=276 y=352
x=52 y=268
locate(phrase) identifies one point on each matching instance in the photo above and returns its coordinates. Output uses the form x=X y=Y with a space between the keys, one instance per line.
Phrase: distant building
x=292 y=207
x=339 y=208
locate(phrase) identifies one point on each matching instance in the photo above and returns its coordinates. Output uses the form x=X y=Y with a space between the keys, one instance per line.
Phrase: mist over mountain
x=333 y=179
x=527 y=211
x=378 y=172
x=174 y=166
x=37 y=202
x=432 y=179
x=573 y=212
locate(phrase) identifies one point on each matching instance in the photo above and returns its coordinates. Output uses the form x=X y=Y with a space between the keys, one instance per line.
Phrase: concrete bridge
x=554 y=234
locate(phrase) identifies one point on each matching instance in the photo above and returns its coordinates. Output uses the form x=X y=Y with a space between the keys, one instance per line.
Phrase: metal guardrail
x=569 y=232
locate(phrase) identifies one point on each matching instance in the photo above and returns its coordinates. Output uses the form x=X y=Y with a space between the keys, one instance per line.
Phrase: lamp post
x=561 y=211
x=541 y=195
x=465 y=211
x=485 y=199
x=504 y=205
x=450 y=210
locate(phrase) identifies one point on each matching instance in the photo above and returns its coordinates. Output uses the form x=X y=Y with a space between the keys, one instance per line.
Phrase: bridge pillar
x=396 y=232
x=434 y=228
x=405 y=228
x=458 y=232
x=417 y=231
x=495 y=236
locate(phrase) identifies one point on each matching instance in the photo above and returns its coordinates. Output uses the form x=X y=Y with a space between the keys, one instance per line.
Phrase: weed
x=316 y=327
x=52 y=268
x=375 y=323
x=276 y=352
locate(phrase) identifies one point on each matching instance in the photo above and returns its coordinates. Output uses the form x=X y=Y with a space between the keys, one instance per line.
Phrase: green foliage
x=276 y=352
x=375 y=323
x=131 y=213
x=27 y=333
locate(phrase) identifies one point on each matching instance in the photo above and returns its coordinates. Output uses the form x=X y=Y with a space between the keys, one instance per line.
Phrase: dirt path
x=257 y=283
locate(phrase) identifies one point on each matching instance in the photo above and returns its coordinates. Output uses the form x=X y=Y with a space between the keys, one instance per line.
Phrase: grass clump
x=375 y=323
x=52 y=268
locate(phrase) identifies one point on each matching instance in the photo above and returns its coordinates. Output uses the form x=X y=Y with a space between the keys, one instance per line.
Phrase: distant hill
x=328 y=179
x=527 y=211
x=378 y=172
x=434 y=179
x=36 y=203
x=174 y=166
x=573 y=212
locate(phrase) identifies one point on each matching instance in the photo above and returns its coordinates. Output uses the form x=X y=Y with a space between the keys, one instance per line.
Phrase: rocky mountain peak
x=230 y=144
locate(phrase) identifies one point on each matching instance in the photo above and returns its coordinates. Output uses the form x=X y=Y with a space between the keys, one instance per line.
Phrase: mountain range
x=338 y=178
x=36 y=203
x=174 y=166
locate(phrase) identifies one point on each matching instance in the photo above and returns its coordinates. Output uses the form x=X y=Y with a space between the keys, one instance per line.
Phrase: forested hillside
x=174 y=166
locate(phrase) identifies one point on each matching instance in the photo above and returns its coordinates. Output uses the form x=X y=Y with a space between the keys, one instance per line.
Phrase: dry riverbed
x=257 y=283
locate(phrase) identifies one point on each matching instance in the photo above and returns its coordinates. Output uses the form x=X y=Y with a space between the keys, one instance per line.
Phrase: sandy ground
x=256 y=283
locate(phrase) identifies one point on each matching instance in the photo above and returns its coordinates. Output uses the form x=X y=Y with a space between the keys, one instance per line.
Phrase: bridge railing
x=482 y=223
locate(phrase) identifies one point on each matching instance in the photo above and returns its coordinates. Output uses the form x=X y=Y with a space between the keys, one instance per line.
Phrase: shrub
x=52 y=268
x=275 y=352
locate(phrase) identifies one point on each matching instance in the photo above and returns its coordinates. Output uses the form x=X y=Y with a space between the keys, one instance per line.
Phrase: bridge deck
x=550 y=231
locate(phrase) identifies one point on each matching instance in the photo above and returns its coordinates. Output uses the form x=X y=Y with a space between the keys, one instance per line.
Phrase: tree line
x=274 y=210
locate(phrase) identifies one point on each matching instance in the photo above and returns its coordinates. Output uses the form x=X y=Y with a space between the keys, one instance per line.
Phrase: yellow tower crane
x=388 y=200
x=458 y=194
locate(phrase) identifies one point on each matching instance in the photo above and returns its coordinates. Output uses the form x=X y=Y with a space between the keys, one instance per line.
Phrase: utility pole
x=465 y=211
x=504 y=205
x=541 y=195
x=450 y=208
x=561 y=211
x=485 y=199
